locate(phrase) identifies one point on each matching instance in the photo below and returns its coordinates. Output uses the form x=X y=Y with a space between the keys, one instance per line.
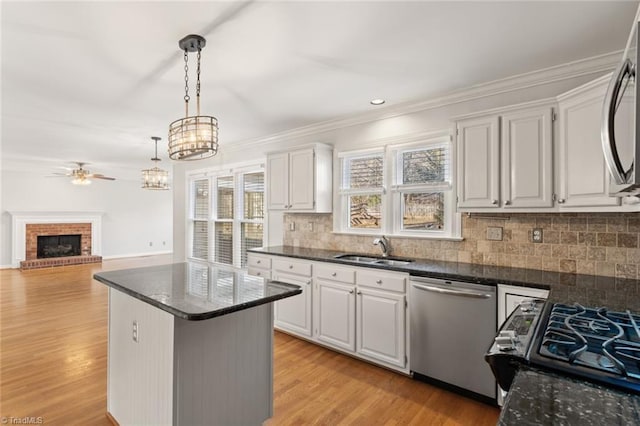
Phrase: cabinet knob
x=333 y=274
x=494 y=202
x=507 y=203
x=360 y=293
x=290 y=266
x=378 y=281
x=308 y=282
x=561 y=201
x=258 y=273
x=258 y=262
x=350 y=291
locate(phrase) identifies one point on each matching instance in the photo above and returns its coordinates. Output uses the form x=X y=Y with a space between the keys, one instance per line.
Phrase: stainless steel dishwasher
x=452 y=324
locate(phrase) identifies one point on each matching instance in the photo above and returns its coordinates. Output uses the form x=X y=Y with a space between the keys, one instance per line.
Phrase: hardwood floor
x=53 y=349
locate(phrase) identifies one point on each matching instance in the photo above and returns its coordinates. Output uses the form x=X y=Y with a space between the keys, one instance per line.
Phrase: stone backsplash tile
x=587 y=243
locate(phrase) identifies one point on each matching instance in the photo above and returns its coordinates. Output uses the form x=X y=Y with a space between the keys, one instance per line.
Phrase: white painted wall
x=133 y=217
x=375 y=132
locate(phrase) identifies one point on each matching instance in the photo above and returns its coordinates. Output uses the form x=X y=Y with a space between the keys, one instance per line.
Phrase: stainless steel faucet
x=384 y=245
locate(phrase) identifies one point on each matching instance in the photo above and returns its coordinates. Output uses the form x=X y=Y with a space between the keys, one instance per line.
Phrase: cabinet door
x=336 y=314
x=381 y=326
x=278 y=181
x=584 y=178
x=527 y=168
x=294 y=313
x=301 y=183
x=478 y=144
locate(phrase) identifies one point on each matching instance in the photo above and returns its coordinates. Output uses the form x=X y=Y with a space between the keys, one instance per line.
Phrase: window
x=225 y=224
x=403 y=190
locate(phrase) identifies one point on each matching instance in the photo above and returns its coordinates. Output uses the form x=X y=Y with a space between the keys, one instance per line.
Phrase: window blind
x=223 y=235
x=201 y=199
x=426 y=166
x=363 y=172
x=200 y=247
x=251 y=238
x=253 y=195
x=224 y=198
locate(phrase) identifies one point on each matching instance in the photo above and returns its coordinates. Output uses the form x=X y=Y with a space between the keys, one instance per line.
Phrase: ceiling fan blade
x=98 y=176
x=57 y=175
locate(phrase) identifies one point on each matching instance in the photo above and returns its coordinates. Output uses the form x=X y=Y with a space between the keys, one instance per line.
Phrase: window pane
x=365 y=211
x=223 y=242
x=251 y=238
x=225 y=197
x=201 y=199
x=254 y=196
x=423 y=211
x=363 y=172
x=200 y=247
x=425 y=166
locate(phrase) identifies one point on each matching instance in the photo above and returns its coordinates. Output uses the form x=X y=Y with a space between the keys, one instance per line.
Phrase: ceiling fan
x=82 y=176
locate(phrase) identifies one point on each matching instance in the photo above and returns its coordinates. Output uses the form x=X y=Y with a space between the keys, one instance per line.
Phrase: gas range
x=591 y=343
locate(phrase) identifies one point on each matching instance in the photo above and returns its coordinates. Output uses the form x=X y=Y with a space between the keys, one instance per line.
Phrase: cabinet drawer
x=262 y=273
x=256 y=261
x=291 y=266
x=335 y=273
x=381 y=280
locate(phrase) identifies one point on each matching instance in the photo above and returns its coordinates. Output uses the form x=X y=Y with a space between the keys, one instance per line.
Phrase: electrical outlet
x=150 y=243
x=135 y=331
x=536 y=235
x=494 y=233
x=310 y=226
x=164 y=243
x=292 y=226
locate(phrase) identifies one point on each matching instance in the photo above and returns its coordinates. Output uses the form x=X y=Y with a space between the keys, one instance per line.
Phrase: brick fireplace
x=28 y=226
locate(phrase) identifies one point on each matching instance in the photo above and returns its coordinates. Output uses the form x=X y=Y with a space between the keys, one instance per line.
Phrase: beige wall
x=586 y=243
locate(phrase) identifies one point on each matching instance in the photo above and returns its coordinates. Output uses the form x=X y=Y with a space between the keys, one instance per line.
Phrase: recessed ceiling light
x=377 y=102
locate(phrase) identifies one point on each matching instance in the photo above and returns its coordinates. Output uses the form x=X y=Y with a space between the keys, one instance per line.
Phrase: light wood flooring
x=53 y=360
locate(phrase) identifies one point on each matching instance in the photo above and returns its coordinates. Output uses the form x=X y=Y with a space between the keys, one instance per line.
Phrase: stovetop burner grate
x=594 y=338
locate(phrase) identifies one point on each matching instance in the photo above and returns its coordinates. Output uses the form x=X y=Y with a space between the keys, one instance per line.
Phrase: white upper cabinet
x=300 y=180
x=505 y=160
x=527 y=160
x=583 y=174
x=478 y=162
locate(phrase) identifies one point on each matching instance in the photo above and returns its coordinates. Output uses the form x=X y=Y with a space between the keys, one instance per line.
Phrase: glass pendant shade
x=155 y=178
x=193 y=137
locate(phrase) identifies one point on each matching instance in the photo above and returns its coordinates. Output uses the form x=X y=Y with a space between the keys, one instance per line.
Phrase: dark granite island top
x=190 y=344
x=196 y=291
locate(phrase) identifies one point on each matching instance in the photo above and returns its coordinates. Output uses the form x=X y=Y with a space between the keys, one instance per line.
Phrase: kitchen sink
x=357 y=258
x=373 y=260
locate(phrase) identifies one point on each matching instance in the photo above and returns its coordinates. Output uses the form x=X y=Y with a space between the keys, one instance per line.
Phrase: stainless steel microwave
x=620 y=140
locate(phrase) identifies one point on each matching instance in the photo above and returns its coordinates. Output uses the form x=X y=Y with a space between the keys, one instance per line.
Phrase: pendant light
x=193 y=137
x=155 y=178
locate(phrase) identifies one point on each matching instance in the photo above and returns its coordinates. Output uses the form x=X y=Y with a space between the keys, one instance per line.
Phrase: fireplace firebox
x=58 y=246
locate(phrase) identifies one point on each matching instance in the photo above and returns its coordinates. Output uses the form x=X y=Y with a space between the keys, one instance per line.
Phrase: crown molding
x=583 y=67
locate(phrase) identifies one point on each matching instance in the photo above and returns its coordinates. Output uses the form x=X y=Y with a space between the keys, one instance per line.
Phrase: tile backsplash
x=586 y=243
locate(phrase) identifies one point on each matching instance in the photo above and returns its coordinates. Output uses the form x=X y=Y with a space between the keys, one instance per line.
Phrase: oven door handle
x=607 y=132
x=456 y=292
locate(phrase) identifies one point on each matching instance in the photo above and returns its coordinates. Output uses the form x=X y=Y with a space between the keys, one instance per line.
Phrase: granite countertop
x=536 y=397
x=196 y=291
x=542 y=398
x=588 y=290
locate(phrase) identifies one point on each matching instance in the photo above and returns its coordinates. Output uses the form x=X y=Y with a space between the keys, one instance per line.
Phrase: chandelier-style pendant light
x=193 y=137
x=155 y=178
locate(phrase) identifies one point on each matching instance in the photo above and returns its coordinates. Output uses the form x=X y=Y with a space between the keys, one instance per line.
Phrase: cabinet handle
x=507 y=203
x=561 y=201
x=494 y=202
x=378 y=281
x=333 y=274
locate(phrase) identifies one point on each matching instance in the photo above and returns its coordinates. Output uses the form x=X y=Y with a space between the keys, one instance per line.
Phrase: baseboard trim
x=113 y=421
x=151 y=253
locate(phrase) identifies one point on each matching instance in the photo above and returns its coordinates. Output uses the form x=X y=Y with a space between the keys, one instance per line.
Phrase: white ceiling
x=92 y=81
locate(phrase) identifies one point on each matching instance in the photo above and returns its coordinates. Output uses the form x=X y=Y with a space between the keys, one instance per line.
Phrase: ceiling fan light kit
x=155 y=178
x=193 y=137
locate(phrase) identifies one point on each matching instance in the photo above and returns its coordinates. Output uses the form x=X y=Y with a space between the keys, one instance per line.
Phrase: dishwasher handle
x=454 y=292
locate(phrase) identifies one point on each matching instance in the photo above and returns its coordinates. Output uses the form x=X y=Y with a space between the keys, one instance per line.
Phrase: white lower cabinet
x=336 y=314
x=381 y=326
x=294 y=313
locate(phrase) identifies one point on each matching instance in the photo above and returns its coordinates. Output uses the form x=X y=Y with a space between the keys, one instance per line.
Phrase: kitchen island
x=190 y=343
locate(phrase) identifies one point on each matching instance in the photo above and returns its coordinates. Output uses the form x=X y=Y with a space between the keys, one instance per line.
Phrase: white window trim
x=237 y=171
x=391 y=192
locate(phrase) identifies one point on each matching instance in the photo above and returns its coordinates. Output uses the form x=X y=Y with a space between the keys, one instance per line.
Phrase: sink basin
x=392 y=262
x=373 y=260
x=356 y=258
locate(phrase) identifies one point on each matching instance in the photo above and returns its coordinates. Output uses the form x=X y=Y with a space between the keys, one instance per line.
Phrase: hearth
x=58 y=246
